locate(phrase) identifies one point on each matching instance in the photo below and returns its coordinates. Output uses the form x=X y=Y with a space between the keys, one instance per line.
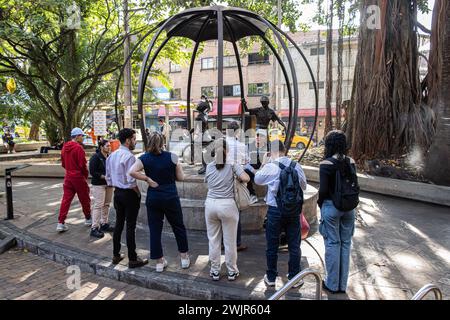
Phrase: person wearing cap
x=73 y=160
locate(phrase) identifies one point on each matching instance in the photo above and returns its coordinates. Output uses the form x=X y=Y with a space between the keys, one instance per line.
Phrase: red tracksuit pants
x=80 y=187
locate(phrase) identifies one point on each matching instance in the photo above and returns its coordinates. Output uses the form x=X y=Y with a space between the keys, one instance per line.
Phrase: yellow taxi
x=299 y=142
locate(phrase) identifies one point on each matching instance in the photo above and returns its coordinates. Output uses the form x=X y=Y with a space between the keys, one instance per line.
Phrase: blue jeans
x=276 y=223
x=171 y=209
x=337 y=228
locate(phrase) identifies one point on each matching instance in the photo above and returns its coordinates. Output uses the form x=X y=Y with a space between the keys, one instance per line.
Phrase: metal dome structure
x=223 y=24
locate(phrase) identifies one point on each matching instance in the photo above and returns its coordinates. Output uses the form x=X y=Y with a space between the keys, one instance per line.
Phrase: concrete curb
x=180 y=284
x=393 y=187
x=6 y=242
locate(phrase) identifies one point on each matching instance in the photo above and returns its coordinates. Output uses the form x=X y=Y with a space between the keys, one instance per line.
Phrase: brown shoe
x=242 y=247
x=117 y=259
x=137 y=263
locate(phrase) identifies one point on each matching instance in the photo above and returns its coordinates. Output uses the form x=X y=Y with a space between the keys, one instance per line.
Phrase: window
x=208 y=91
x=173 y=67
x=256 y=58
x=232 y=91
x=314 y=51
x=229 y=61
x=207 y=63
x=175 y=94
x=258 y=89
x=320 y=85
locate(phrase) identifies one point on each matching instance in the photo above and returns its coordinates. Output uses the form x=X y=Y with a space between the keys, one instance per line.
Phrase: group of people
x=8 y=140
x=114 y=176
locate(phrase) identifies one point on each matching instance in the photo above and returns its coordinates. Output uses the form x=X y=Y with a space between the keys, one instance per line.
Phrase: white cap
x=77 y=132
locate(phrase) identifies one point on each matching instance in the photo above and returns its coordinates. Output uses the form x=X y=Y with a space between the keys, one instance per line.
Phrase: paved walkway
x=399 y=245
x=25 y=276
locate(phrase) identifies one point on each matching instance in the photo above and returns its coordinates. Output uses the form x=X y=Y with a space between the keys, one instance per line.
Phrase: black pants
x=127 y=203
x=250 y=187
x=170 y=208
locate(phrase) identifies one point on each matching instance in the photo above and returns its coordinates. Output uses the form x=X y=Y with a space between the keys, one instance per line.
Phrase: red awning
x=308 y=112
x=231 y=107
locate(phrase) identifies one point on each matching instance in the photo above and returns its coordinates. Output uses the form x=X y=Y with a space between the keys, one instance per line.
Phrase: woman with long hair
x=336 y=226
x=162 y=170
x=221 y=212
x=101 y=192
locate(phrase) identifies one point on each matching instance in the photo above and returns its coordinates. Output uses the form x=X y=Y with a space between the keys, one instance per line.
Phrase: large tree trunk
x=329 y=86
x=386 y=104
x=34 y=131
x=437 y=164
x=340 y=9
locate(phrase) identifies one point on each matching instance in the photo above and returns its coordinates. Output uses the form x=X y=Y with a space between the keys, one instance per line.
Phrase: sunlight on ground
x=438 y=250
x=104 y=294
x=22 y=184
x=54 y=186
x=84 y=291
x=26 y=276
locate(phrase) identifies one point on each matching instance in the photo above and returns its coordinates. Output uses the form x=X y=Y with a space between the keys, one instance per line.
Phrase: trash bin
x=115 y=144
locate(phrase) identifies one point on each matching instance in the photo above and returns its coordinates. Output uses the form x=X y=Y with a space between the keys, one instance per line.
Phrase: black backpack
x=345 y=195
x=290 y=195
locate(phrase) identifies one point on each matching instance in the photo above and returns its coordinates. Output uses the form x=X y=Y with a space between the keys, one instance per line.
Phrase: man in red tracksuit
x=73 y=159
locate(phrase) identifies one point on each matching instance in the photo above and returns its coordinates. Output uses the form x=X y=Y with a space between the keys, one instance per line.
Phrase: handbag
x=241 y=194
x=305 y=226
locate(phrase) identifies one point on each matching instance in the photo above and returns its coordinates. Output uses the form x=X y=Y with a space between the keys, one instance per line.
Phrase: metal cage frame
x=217 y=24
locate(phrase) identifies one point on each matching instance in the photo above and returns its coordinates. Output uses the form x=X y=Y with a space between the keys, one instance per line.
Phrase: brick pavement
x=25 y=276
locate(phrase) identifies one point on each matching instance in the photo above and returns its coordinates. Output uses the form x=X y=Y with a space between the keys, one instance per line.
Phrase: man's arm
x=108 y=172
x=301 y=177
x=268 y=174
x=277 y=119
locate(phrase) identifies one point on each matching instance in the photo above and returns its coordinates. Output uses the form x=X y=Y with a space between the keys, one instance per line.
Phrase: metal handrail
x=277 y=295
x=427 y=289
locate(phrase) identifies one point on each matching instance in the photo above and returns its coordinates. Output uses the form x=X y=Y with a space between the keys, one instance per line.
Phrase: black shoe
x=324 y=287
x=202 y=170
x=106 y=228
x=97 y=233
x=137 y=263
x=117 y=259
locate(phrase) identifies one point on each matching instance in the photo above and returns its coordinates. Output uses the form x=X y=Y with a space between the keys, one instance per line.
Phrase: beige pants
x=222 y=218
x=102 y=198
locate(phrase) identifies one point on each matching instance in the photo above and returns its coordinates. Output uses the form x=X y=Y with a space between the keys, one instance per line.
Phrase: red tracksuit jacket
x=73 y=159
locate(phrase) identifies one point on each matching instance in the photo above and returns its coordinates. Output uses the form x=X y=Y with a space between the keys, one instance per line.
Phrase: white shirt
x=269 y=176
x=237 y=153
x=117 y=166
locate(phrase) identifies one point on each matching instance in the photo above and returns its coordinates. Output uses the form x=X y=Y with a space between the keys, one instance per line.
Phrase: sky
x=309 y=11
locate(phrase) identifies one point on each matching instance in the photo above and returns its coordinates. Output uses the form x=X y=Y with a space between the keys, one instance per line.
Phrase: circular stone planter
x=193 y=191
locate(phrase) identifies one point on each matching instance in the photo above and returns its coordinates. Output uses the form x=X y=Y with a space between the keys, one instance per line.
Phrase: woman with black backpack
x=338 y=197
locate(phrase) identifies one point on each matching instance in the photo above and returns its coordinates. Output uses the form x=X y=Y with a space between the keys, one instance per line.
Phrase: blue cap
x=77 y=132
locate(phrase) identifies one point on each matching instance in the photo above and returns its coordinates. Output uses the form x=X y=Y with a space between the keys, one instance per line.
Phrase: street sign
x=99 y=120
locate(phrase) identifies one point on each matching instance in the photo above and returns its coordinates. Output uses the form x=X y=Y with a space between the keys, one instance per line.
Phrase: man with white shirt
x=127 y=197
x=277 y=218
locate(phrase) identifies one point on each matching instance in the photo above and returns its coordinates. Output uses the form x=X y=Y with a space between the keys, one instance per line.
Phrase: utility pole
x=128 y=107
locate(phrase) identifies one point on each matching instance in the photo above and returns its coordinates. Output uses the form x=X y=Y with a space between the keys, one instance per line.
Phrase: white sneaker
x=161 y=265
x=61 y=227
x=215 y=275
x=185 y=263
x=298 y=284
x=267 y=282
x=253 y=199
x=88 y=222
